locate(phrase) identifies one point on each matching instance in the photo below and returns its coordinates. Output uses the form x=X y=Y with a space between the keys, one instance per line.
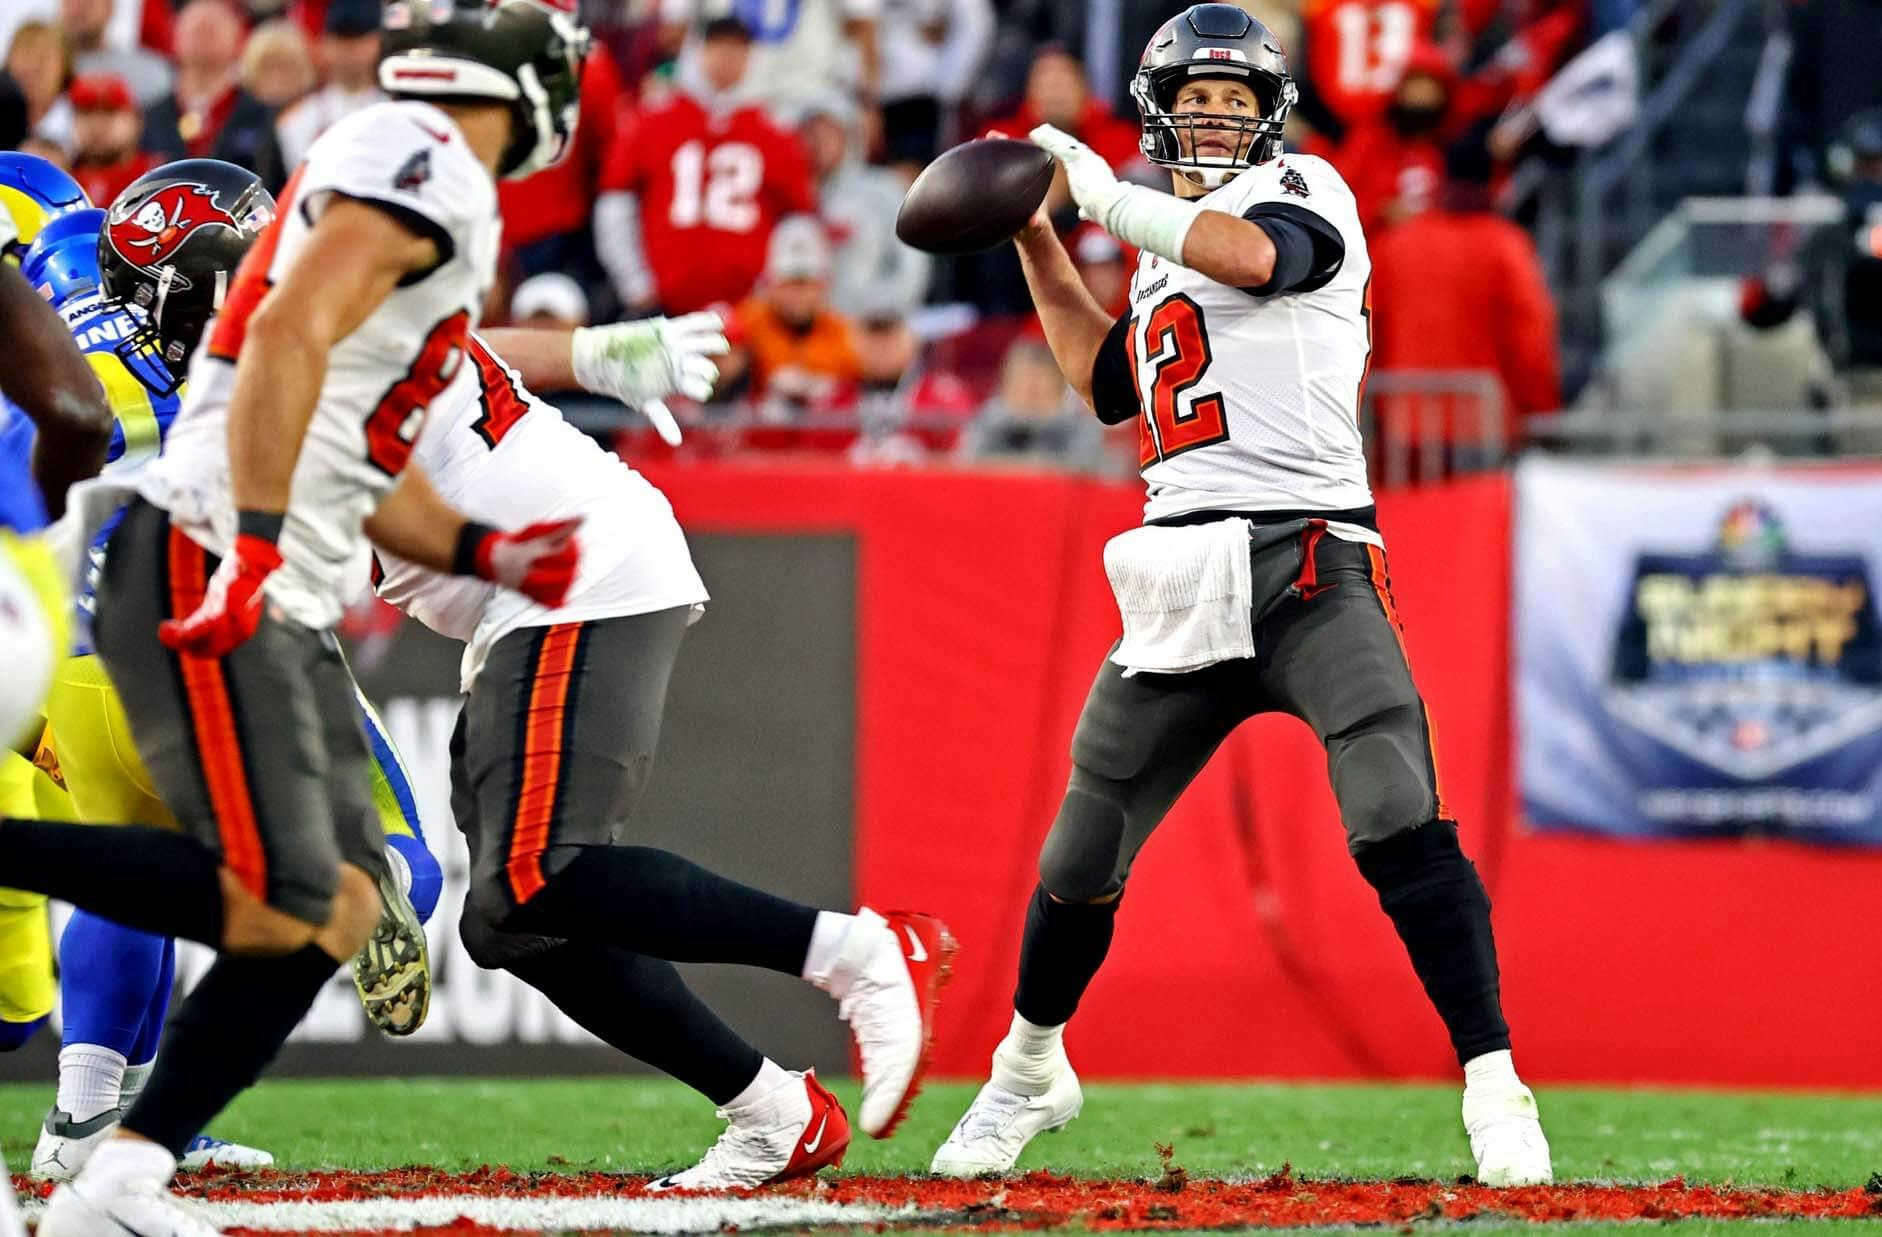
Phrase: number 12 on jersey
x=1177 y=417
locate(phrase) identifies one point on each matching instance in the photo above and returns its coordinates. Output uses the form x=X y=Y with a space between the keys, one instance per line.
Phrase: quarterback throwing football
x=1257 y=582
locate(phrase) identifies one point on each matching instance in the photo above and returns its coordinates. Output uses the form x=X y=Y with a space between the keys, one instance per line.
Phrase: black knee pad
x=1083 y=855
x=492 y=948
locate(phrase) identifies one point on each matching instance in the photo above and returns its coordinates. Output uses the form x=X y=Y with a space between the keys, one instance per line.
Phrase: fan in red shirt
x=1394 y=161
x=1058 y=94
x=1355 y=52
x=1460 y=288
x=106 y=127
x=694 y=185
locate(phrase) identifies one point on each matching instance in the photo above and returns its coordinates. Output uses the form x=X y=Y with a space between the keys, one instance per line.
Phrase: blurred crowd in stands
x=750 y=155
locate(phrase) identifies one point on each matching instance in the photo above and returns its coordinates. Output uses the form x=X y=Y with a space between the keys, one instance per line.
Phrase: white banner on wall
x=1698 y=651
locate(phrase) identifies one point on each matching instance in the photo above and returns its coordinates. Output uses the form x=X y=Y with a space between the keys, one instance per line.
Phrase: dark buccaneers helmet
x=1212 y=40
x=525 y=53
x=170 y=245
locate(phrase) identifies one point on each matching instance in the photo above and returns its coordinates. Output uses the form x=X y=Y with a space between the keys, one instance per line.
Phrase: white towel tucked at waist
x=1184 y=595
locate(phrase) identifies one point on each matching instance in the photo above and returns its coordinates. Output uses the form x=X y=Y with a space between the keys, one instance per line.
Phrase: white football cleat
x=790 y=1131
x=888 y=980
x=64 y=1144
x=999 y=1123
x=207 y=1151
x=121 y=1204
x=1505 y=1131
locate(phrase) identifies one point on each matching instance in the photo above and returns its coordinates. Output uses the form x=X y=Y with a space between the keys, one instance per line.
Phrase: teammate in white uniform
x=1257 y=583
x=345 y=321
x=560 y=724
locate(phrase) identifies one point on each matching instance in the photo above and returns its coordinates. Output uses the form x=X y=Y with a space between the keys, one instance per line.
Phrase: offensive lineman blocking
x=1258 y=581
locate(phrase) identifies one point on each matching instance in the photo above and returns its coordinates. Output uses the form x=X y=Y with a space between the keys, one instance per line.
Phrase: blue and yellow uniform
x=37 y=629
x=86 y=748
x=32 y=193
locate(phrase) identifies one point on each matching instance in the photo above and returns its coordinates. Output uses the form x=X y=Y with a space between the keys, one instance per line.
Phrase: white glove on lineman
x=1145 y=217
x=641 y=363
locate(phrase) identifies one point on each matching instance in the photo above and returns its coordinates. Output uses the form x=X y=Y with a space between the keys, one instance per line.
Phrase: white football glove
x=1144 y=217
x=641 y=363
x=1095 y=187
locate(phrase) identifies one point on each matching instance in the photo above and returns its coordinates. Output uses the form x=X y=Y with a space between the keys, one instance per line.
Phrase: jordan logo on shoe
x=917 y=952
x=811 y=1144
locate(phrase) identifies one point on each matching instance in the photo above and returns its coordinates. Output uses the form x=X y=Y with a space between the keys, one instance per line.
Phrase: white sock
x=130 y=1159
x=1028 y=1059
x=1494 y=1070
x=771 y=1076
x=135 y=1076
x=91 y=1080
x=826 y=945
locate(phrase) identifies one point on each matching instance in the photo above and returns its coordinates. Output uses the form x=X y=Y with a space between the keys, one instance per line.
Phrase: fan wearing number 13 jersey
x=346 y=318
x=1258 y=581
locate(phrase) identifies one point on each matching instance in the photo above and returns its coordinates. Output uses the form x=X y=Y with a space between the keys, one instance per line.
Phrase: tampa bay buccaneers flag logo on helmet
x=156 y=228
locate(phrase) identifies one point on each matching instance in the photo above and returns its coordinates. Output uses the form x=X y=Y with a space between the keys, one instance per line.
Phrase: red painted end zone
x=1046 y=1200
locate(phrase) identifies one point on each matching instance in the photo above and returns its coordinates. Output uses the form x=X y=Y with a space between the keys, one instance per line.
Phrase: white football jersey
x=380 y=379
x=505 y=458
x=1250 y=403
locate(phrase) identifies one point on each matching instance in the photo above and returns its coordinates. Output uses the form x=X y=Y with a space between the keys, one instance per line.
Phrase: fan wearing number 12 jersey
x=694 y=184
x=1258 y=582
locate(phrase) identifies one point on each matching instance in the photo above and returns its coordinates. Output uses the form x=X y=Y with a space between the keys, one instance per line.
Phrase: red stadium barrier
x=1248 y=944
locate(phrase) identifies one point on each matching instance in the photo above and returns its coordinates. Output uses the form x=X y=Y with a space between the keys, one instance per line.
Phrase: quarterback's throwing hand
x=538 y=561
x=1095 y=187
x=231 y=606
x=641 y=363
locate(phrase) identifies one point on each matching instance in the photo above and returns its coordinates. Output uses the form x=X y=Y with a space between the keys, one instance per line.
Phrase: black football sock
x=1065 y=943
x=155 y=880
x=222 y=1037
x=641 y=1006
x=1442 y=913
x=655 y=903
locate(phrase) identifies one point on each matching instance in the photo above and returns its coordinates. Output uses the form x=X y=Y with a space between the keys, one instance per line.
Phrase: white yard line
x=647 y=1215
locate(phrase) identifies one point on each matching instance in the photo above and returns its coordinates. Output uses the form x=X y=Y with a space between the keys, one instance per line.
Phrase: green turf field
x=1216 y=1130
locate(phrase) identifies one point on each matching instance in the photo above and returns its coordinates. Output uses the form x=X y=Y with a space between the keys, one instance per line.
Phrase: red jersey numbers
x=1177 y=417
x=393 y=426
x=503 y=407
x=717 y=186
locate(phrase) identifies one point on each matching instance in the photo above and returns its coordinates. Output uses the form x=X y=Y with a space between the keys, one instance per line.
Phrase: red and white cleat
x=791 y=1131
x=888 y=980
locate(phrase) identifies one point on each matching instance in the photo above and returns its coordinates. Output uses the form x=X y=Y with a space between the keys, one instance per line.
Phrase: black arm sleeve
x=1308 y=250
x=1113 y=386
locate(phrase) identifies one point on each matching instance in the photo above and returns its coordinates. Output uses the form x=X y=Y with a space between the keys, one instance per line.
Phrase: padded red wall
x=1247 y=944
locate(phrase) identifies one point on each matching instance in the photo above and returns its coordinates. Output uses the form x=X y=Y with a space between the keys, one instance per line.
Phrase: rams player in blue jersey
x=47 y=381
x=136 y=309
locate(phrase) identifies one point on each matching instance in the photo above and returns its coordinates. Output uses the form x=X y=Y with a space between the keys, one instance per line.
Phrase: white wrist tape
x=1151 y=220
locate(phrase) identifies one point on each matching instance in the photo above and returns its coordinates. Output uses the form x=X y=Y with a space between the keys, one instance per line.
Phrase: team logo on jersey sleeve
x=416 y=170
x=154 y=232
x=1293 y=182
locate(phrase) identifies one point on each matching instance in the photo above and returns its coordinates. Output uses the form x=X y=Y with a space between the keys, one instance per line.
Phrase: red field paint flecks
x=1045 y=1200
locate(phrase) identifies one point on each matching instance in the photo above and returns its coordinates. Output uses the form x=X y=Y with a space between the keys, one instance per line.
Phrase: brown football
x=974 y=196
